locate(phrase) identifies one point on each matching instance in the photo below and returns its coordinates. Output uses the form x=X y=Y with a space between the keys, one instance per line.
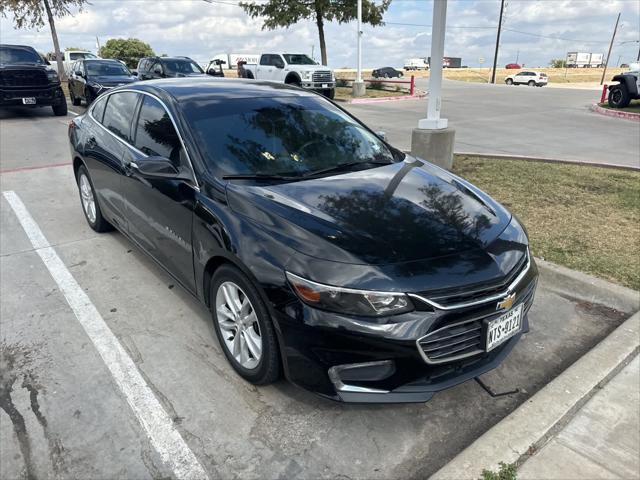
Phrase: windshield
x=80 y=55
x=288 y=136
x=19 y=55
x=106 y=69
x=181 y=66
x=298 y=59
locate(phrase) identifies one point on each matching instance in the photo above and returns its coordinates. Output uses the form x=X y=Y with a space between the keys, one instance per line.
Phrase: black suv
x=91 y=77
x=164 y=67
x=27 y=79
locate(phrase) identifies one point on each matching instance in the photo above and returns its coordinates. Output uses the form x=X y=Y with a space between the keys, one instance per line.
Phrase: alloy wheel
x=88 y=200
x=238 y=325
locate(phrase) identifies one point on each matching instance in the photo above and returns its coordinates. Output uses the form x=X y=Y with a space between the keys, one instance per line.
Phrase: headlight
x=348 y=300
x=306 y=75
x=52 y=75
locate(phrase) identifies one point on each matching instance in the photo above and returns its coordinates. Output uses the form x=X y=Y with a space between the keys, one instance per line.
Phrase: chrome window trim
x=184 y=147
x=497 y=296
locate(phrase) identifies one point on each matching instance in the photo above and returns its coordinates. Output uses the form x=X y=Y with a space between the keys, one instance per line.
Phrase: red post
x=604 y=93
x=413 y=85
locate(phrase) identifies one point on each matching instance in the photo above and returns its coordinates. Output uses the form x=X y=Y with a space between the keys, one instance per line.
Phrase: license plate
x=325 y=85
x=29 y=101
x=504 y=327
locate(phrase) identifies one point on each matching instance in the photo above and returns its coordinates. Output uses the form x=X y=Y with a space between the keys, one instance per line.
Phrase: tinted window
x=265 y=59
x=175 y=66
x=298 y=59
x=106 y=69
x=281 y=135
x=78 y=55
x=119 y=113
x=155 y=133
x=19 y=55
x=98 y=108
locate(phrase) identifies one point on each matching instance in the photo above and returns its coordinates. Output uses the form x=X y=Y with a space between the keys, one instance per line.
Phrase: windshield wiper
x=344 y=166
x=258 y=176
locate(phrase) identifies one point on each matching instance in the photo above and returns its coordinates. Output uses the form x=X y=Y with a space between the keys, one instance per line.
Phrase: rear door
x=159 y=210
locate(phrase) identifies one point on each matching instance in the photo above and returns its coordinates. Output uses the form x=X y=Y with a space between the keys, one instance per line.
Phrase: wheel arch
x=77 y=163
x=292 y=77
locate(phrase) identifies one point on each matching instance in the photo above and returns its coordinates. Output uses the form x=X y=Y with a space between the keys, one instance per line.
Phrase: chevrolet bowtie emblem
x=507 y=303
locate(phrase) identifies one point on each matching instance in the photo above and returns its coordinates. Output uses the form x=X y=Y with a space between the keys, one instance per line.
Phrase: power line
x=552 y=37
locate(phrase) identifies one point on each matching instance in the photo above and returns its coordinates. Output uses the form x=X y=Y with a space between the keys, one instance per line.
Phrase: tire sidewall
x=269 y=365
x=83 y=171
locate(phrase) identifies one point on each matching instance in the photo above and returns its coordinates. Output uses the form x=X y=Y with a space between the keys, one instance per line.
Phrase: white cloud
x=201 y=30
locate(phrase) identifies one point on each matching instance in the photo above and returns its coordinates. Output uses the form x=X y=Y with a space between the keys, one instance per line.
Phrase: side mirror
x=159 y=167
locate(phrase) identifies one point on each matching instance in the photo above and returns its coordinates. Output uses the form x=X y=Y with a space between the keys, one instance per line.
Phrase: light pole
x=358 y=85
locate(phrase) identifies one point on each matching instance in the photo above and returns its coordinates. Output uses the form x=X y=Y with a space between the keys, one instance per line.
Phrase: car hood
x=307 y=68
x=109 y=80
x=401 y=212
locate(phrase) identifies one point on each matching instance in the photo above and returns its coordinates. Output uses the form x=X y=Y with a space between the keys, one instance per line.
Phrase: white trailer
x=231 y=59
x=584 y=60
x=416 y=64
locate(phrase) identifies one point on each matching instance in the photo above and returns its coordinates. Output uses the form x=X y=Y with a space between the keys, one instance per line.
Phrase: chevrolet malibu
x=323 y=253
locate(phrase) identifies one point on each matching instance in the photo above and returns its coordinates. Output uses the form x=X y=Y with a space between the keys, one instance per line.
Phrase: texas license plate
x=29 y=101
x=504 y=327
x=325 y=85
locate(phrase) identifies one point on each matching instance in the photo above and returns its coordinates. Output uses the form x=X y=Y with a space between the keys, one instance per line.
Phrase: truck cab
x=293 y=69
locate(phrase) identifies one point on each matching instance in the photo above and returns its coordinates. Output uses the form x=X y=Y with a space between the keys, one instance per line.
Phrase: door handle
x=129 y=167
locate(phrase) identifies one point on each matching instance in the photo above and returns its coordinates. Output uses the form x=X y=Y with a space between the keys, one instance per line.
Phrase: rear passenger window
x=155 y=133
x=118 y=114
x=97 y=111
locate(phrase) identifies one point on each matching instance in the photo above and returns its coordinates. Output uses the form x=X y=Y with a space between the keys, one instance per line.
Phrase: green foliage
x=284 y=13
x=506 y=472
x=557 y=63
x=129 y=50
x=33 y=13
x=73 y=49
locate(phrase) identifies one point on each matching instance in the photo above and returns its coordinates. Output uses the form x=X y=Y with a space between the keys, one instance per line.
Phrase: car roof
x=110 y=60
x=207 y=88
x=27 y=47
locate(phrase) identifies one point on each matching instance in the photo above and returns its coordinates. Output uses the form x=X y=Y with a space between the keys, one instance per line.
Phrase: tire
x=226 y=280
x=74 y=101
x=93 y=215
x=531 y=83
x=386 y=75
x=89 y=97
x=294 y=82
x=508 y=81
x=329 y=93
x=61 y=109
x=619 y=96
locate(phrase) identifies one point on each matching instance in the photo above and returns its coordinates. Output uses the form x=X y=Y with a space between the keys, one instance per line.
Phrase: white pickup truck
x=69 y=58
x=293 y=69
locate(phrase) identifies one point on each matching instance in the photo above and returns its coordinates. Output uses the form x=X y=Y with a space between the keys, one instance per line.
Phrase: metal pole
x=615 y=29
x=495 y=57
x=359 y=75
x=433 y=120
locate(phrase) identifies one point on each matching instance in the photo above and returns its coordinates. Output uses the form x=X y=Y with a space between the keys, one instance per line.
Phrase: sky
x=535 y=31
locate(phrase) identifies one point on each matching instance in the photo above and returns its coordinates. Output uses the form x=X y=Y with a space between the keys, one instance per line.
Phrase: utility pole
x=495 y=57
x=606 y=64
x=518 y=56
x=358 y=85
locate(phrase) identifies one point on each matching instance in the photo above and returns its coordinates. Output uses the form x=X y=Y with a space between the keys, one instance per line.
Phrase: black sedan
x=91 y=77
x=386 y=72
x=323 y=253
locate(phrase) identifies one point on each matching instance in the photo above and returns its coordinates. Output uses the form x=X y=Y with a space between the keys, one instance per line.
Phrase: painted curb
x=536 y=421
x=382 y=99
x=527 y=158
x=614 y=113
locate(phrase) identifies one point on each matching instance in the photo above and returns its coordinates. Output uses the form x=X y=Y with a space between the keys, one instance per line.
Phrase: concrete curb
x=531 y=425
x=614 y=113
x=508 y=156
x=382 y=99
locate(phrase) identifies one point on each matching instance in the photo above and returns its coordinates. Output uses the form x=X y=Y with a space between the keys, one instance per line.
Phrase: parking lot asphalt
x=64 y=414
x=517 y=120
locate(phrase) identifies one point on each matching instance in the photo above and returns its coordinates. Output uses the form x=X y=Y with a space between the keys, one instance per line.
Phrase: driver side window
x=155 y=133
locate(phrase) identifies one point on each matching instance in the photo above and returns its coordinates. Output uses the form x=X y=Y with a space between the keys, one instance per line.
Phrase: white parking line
x=72 y=112
x=167 y=441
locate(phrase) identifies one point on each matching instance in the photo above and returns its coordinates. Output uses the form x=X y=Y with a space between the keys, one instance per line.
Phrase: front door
x=159 y=211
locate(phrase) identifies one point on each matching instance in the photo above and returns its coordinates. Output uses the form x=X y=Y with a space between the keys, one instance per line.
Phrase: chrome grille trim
x=475 y=339
x=480 y=301
x=321 y=76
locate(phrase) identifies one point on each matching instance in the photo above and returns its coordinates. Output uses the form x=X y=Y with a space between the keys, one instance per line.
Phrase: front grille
x=23 y=78
x=321 y=76
x=452 y=342
x=455 y=296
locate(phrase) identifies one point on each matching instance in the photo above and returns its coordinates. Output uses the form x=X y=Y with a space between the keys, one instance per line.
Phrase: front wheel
x=243 y=326
x=60 y=110
x=508 y=81
x=619 y=97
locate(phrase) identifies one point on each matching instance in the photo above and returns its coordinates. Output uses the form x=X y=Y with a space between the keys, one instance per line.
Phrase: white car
x=528 y=77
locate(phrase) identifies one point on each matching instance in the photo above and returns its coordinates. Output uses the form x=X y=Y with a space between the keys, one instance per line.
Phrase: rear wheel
x=89 y=201
x=243 y=326
x=531 y=83
x=619 y=97
x=75 y=101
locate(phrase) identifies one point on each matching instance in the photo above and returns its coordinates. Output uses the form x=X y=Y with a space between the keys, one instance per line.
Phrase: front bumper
x=45 y=96
x=318 y=85
x=378 y=361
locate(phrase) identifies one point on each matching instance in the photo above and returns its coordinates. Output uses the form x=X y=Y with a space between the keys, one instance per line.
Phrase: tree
x=558 y=63
x=31 y=14
x=73 y=49
x=284 y=13
x=129 y=50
